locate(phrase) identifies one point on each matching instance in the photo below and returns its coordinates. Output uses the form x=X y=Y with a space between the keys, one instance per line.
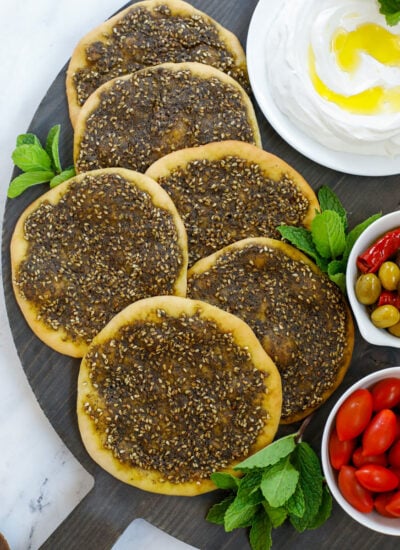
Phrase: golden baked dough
x=145 y=34
x=89 y=247
x=134 y=120
x=301 y=317
x=232 y=190
x=172 y=390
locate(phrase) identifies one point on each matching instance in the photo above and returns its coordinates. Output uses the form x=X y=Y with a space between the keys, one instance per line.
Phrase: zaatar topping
x=153 y=112
x=223 y=201
x=102 y=246
x=298 y=316
x=145 y=37
x=176 y=395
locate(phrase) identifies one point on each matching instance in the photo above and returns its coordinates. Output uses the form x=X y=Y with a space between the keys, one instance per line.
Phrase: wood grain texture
x=108 y=509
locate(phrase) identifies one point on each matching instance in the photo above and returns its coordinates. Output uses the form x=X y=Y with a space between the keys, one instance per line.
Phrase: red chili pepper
x=388 y=297
x=370 y=260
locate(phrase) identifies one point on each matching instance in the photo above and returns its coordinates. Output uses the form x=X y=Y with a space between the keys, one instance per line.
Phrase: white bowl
x=370 y=333
x=373 y=520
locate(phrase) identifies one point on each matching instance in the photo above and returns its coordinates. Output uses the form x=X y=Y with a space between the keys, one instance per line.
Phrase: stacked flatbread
x=171 y=388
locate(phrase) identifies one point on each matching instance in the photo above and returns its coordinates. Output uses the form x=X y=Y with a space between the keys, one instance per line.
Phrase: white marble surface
x=40 y=481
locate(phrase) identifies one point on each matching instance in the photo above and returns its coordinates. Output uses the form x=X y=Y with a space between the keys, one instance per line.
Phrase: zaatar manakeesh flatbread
x=86 y=249
x=134 y=120
x=146 y=34
x=232 y=190
x=300 y=317
x=172 y=390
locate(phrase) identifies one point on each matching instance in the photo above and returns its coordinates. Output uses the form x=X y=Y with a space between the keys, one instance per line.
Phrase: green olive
x=395 y=329
x=389 y=275
x=368 y=288
x=385 y=316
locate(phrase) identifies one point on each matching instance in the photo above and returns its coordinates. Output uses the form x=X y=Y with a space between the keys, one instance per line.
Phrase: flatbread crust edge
x=197 y=69
x=205 y=264
x=271 y=165
x=59 y=340
x=78 y=58
x=150 y=480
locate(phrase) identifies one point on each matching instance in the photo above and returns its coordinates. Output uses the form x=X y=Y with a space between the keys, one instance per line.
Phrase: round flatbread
x=300 y=317
x=134 y=120
x=232 y=190
x=86 y=249
x=146 y=34
x=172 y=390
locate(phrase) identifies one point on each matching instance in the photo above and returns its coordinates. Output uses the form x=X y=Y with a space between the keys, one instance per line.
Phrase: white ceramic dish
x=370 y=333
x=362 y=165
x=373 y=520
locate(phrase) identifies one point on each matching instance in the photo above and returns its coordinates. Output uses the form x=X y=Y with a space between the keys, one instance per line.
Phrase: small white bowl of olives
x=373 y=281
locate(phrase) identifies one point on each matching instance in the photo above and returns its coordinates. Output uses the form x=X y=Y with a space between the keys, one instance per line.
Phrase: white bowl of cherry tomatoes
x=373 y=281
x=361 y=451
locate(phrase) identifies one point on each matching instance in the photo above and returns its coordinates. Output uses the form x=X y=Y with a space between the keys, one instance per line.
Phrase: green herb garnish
x=329 y=241
x=39 y=164
x=391 y=10
x=281 y=482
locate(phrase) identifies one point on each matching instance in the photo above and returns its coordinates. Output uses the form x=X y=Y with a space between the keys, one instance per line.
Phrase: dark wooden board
x=109 y=508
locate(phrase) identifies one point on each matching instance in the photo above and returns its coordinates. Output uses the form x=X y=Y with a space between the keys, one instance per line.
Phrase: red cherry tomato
x=393 y=506
x=394 y=455
x=380 y=503
x=354 y=414
x=396 y=471
x=397 y=436
x=386 y=394
x=359 y=459
x=340 y=452
x=353 y=491
x=380 y=433
x=376 y=478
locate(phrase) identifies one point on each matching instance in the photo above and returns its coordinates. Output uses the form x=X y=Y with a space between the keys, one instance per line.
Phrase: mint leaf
x=353 y=235
x=216 y=513
x=31 y=157
x=329 y=201
x=276 y=515
x=299 y=237
x=296 y=505
x=391 y=10
x=225 y=481
x=23 y=181
x=52 y=142
x=337 y=273
x=28 y=139
x=239 y=514
x=271 y=454
x=64 y=176
x=279 y=483
x=248 y=487
x=328 y=234
x=311 y=480
x=324 y=510
x=261 y=531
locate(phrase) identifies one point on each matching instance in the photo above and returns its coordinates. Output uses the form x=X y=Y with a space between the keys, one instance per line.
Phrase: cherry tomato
x=396 y=471
x=394 y=455
x=354 y=414
x=380 y=503
x=386 y=394
x=393 y=506
x=376 y=478
x=359 y=459
x=380 y=433
x=397 y=436
x=340 y=452
x=353 y=491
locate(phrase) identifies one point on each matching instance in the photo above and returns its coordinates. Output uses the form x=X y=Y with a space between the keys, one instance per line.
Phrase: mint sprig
x=391 y=10
x=282 y=482
x=38 y=164
x=329 y=242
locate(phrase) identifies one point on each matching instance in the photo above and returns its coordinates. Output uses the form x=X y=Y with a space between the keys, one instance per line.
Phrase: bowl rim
x=369 y=332
x=374 y=521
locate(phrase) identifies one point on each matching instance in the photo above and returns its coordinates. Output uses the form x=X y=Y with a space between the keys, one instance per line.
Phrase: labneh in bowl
x=370 y=333
x=372 y=520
